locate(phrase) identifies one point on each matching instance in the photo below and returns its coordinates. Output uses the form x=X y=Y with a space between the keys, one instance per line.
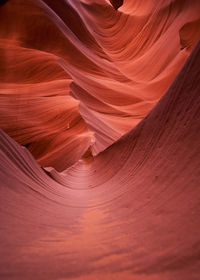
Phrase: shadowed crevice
x=116 y=3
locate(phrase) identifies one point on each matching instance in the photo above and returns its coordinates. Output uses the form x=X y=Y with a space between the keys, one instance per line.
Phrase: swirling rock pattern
x=104 y=97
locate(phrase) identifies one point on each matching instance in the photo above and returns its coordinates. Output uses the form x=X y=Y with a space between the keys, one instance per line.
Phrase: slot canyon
x=100 y=139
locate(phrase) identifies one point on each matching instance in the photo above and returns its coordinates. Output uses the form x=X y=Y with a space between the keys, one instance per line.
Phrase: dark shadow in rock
x=2 y=2
x=116 y=3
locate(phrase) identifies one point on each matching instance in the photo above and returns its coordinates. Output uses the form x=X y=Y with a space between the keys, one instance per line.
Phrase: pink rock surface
x=106 y=104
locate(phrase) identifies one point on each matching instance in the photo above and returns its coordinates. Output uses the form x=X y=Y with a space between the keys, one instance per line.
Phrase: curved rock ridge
x=78 y=74
x=132 y=212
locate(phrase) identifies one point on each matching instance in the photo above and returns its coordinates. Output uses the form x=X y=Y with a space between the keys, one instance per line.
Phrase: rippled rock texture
x=100 y=139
